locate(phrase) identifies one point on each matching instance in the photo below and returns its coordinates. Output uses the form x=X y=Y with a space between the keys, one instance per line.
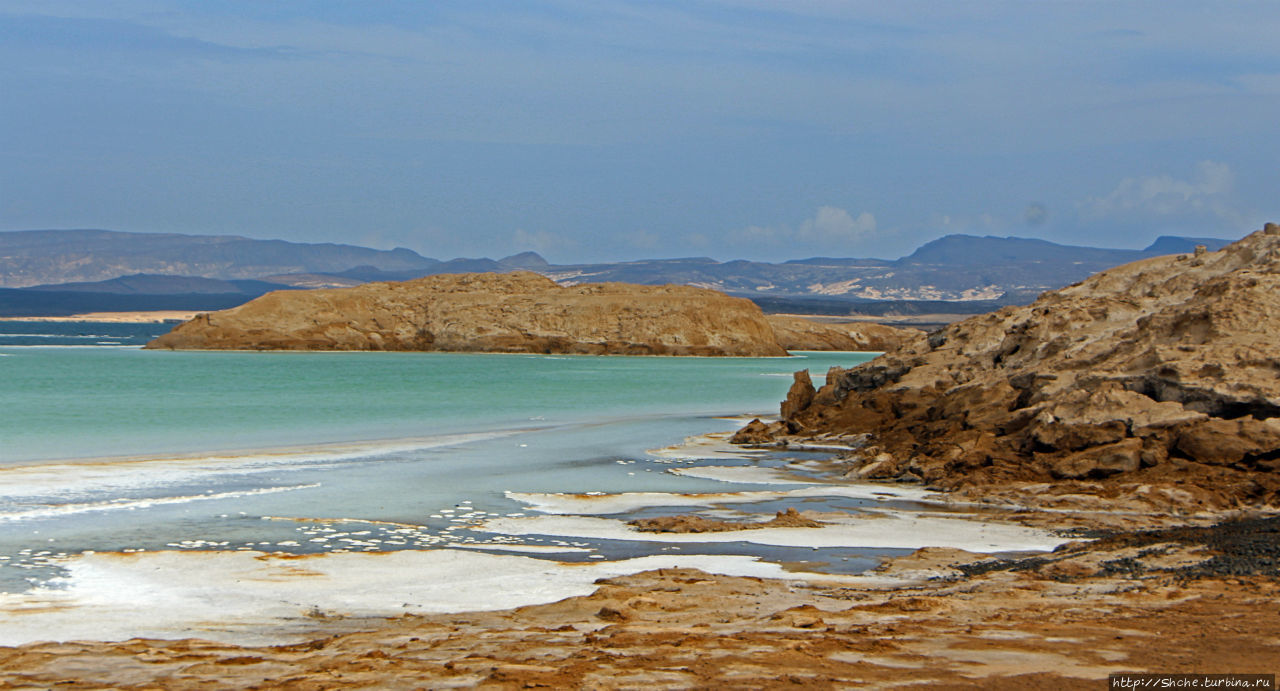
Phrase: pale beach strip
x=140 y=317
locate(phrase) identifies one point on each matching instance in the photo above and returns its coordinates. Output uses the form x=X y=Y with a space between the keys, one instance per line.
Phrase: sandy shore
x=115 y=317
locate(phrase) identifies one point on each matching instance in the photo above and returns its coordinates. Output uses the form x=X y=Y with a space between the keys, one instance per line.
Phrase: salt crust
x=255 y=598
x=97 y=475
x=50 y=511
x=703 y=446
x=604 y=504
x=901 y=530
x=743 y=474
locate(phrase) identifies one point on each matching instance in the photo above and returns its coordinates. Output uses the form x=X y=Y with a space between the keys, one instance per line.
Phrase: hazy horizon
x=555 y=262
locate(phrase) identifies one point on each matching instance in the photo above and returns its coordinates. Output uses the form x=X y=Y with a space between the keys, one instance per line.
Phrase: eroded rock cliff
x=1159 y=380
x=799 y=333
x=515 y=312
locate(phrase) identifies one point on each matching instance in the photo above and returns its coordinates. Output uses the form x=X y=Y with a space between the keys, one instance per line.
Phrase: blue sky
x=600 y=130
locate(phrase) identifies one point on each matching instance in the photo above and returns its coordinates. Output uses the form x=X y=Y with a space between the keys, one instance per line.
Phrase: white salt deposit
x=254 y=598
x=703 y=446
x=133 y=504
x=742 y=474
x=116 y=474
x=603 y=504
x=899 y=530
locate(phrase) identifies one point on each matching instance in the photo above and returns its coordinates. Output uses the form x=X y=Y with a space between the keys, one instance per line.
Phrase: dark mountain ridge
x=35 y=257
x=954 y=273
x=970 y=250
x=153 y=284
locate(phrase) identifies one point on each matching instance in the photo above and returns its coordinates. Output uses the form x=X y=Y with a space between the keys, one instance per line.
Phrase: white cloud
x=1209 y=192
x=833 y=223
x=830 y=227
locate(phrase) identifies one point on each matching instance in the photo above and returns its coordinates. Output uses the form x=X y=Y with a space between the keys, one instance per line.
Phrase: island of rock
x=519 y=312
x=1155 y=385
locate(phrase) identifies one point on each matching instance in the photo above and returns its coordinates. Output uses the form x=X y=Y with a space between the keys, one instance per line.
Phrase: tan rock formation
x=759 y=432
x=516 y=312
x=692 y=523
x=799 y=333
x=1163 y=371
x=799 y=396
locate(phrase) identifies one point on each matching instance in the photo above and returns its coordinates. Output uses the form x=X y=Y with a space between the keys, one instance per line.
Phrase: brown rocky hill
x=513 y=312
x=1157 y=381
x=799 y=333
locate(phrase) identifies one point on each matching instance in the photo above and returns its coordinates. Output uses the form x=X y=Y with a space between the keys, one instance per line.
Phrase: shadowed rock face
x=1164 y=370
x=518 y=312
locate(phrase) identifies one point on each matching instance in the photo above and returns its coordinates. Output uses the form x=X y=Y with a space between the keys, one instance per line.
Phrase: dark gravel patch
x=981 y=567
x=1247 y=547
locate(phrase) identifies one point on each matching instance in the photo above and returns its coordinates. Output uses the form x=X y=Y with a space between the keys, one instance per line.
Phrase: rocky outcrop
x=1164 y=372
x=799 y=396
x=758 y=432
x=515 y=312
x=799 y=333
x=692 y=523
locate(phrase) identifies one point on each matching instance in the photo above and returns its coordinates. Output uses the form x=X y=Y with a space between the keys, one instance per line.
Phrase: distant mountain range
x=32 y=257
x=68 y=271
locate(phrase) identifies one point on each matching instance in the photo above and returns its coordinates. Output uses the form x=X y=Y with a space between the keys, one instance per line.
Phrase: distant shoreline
x=908 y=320
x=924 y=321
x=139 y=317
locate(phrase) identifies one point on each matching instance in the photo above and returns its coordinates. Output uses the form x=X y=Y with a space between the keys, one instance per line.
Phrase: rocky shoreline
x=1154 y=592
x=1197 y=600
x=1152 y=386
x=1138 y=412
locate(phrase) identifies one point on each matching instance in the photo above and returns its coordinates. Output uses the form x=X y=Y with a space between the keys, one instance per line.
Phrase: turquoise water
x=118 y=449
x=93 y=402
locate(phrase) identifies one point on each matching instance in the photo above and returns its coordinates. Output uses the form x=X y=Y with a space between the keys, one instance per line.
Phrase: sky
x=598 y=130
